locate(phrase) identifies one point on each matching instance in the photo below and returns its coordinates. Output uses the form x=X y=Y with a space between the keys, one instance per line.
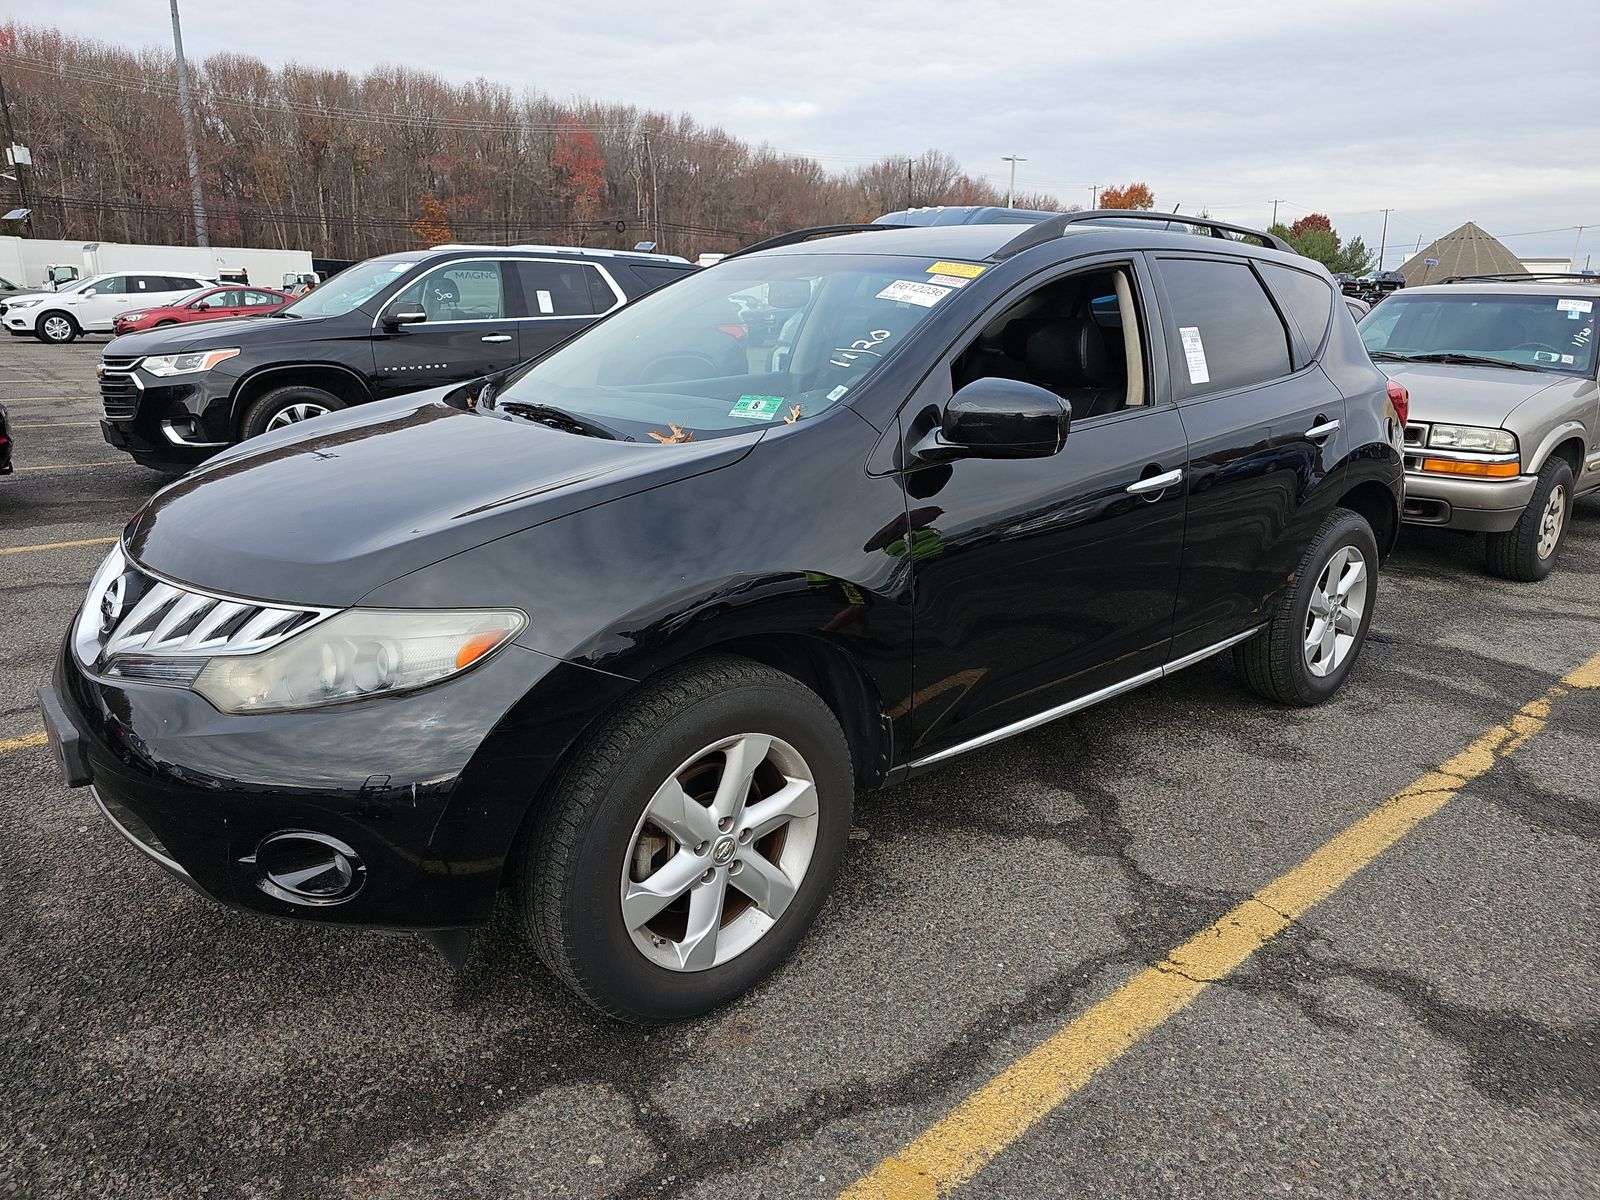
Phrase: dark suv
x=628 y=642
x=389 y=325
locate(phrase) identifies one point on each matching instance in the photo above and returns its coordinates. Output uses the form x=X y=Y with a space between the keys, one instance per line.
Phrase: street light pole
x=1011 y=190
x=200 y=236
x=1383 y=238
x=1573 y=264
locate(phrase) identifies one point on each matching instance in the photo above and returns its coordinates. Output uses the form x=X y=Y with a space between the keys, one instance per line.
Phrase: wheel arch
x=339 y=380
x=38 y=321
x=1375 y=502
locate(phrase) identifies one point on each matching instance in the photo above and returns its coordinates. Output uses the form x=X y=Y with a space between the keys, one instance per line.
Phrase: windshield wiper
x=557 y=418
x=282 y=313
x=1457 y=357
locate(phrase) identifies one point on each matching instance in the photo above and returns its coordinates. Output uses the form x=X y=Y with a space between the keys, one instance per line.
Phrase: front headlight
x=24 y=303
x=357 y=654
x=131 y=316
x=185 y=364
x=1472 y=437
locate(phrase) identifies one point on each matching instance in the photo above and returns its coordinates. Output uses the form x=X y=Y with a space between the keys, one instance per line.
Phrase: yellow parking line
x=70 y=466
x=951 y=1152
x=103 y=541
x=26 y=742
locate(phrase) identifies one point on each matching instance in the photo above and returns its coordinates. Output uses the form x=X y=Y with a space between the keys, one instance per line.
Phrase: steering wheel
x=1535 y=346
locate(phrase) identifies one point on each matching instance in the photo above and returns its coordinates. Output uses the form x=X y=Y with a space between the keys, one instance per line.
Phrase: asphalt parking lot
x=1428 y=1029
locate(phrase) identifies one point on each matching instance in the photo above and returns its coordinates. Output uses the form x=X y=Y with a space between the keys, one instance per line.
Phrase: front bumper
x=427 y=790
x=170 y=423
x=1477 y=505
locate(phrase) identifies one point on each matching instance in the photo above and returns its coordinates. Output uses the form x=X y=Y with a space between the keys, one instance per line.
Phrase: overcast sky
x=1443 y=110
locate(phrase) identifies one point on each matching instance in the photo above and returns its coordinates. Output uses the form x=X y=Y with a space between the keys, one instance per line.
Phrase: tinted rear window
x=1225 y=332
x=1306 y=299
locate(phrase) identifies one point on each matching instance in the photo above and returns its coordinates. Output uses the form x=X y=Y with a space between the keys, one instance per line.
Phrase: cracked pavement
x=1430 y=1029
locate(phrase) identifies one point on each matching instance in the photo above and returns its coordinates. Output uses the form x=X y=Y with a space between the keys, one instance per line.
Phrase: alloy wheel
x=296 y=413
x=1552 y=520
x=57 y=329
x=1338 y=603
x=719 y=852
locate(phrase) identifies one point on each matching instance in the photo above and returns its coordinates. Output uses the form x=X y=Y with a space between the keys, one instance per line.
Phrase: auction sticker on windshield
x=966 y=270
x=910 y=292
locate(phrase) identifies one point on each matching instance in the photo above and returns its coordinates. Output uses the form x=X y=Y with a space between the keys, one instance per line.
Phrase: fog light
x=302 y=867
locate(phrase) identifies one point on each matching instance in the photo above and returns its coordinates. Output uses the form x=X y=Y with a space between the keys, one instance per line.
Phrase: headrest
x=1068 y=353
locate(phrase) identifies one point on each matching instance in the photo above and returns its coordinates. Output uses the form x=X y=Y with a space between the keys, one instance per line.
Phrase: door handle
x=495 y=337
x=1156 y=483
x=1317 y=432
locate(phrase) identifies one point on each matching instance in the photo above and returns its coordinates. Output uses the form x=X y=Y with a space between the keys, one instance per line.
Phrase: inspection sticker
x=911 y=292
x=949 y=280
x=757 y=408
x=838 y=391
x=965 y=270
x=1574 y=306
x=1195 y=351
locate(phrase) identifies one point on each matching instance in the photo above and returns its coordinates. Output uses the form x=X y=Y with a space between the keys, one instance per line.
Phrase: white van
x=92 y=305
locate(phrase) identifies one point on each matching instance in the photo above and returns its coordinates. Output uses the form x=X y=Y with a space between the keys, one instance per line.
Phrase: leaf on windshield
x=794 y=415
x=677 y=435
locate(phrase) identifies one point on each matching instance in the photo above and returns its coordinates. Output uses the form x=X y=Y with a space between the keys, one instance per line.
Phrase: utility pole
x=1383 y=238
x=200 y=236
x=22 y=168
x=1571 y=266
x=909 y=189
x=655 y=196
x=1011 y=191
x=1094 y=196
x=1275 y=204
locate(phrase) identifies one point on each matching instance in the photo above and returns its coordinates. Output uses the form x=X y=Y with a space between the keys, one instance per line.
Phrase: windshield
x=350 y=288
x=1549 y=333
x=750 y=342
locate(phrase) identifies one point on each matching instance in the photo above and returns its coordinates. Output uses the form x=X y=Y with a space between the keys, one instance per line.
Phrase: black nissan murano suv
x=627 y=642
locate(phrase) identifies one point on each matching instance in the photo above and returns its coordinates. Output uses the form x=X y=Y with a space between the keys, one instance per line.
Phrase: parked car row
x=620 y=623
x=93 y=305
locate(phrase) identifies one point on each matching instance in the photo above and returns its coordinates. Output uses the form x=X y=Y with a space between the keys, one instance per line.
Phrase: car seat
x=441 y=301
x=1068 y=356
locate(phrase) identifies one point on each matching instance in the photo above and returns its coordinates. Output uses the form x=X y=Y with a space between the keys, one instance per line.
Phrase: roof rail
x=801 y=235
x=596 y=251
x=1524 y=277
x=1052 y=228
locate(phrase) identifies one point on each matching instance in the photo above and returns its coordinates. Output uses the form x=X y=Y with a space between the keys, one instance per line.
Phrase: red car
x=204 y=306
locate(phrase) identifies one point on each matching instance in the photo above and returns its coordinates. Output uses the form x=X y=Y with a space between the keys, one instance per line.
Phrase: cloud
x=1442 y=110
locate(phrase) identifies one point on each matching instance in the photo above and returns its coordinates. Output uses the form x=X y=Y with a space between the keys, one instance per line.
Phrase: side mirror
x=395 y=319
x=201 y=306
x=998 y=418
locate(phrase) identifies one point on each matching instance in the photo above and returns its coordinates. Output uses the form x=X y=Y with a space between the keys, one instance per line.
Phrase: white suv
x=93 y=304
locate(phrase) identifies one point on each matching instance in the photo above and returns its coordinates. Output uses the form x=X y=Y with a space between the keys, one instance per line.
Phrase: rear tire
x=287 y=406
x=587 y=862
x=1302 y=657
x=1528 y=550
x=57 y=328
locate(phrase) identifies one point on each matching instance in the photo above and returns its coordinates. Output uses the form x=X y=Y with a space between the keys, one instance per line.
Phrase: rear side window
x=258 y=299
x=1224 y=331
x=1306 y=299
x=652 y=276
x=149 y=283
x=560 y=289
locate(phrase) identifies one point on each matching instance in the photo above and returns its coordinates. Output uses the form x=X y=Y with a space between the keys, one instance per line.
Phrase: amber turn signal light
x=1449 y=466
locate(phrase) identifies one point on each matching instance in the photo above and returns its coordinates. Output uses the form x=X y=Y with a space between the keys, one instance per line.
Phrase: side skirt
x=1082 y=702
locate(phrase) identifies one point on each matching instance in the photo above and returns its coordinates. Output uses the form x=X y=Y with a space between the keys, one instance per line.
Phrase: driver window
x=1078 y=337
x=468 y=291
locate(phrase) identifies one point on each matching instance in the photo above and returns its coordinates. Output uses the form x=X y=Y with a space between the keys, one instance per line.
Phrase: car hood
x=1468 y=395
x=324 y=512
x=216 y=334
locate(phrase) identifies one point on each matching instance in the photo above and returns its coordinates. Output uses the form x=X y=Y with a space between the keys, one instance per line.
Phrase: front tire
x=1527 y=551
x=286 y=406
x=57 y=328
x=689 y=843
x=1320 y=625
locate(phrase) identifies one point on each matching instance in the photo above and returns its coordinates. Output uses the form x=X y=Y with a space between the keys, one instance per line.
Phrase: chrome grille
x=119 y=386
x=132 y=615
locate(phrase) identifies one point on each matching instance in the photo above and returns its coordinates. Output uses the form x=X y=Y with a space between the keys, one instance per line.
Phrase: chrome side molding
x=1083 y=702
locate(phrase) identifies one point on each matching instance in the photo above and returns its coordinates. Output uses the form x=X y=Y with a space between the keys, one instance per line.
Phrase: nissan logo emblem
x=111 y=603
